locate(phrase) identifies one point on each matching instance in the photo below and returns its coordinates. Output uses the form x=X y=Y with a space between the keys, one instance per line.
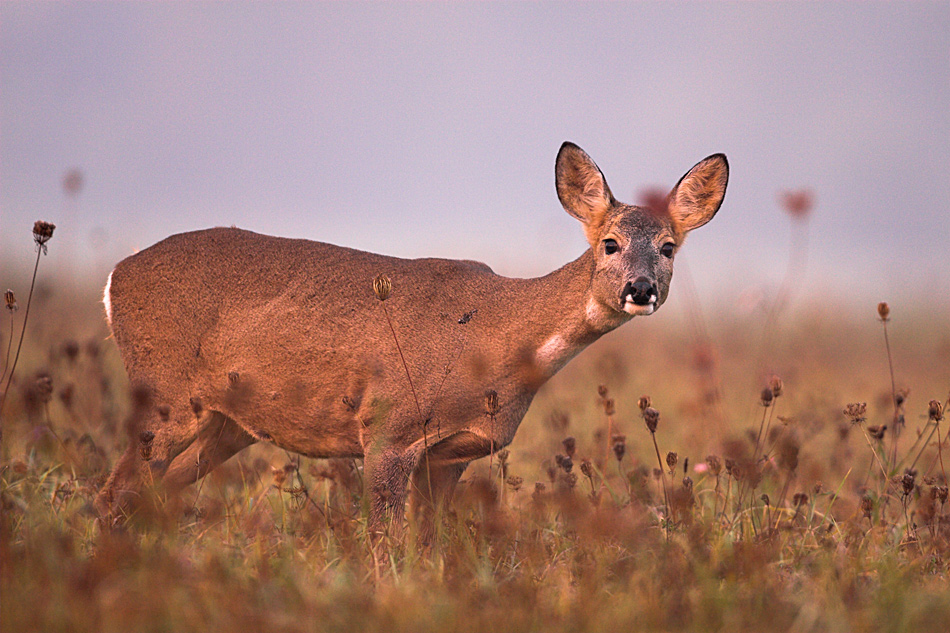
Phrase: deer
x=236 y=338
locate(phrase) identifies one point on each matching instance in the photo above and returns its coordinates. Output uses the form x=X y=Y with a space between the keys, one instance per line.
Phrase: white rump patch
x=107 y=299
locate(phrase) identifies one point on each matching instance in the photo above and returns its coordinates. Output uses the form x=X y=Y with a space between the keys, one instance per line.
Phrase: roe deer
x=241 y=338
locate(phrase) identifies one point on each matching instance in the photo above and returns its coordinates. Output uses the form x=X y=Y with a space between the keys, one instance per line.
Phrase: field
x=771 y=497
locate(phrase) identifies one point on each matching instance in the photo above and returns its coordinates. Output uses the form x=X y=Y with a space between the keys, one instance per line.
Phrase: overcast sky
x=431 y=129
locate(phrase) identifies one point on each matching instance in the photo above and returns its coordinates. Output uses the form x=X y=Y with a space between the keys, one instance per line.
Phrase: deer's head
x=633 y=246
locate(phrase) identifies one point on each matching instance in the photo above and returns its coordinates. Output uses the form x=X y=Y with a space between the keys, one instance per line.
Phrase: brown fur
x=242 y=337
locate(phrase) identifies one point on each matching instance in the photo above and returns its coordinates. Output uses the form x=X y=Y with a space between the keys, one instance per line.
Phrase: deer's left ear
x=698 y=195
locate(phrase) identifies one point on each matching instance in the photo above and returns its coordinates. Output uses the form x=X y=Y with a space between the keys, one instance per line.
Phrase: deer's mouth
x=635 y=309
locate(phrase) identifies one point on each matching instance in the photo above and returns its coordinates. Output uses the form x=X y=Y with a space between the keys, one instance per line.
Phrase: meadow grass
x=766 y=503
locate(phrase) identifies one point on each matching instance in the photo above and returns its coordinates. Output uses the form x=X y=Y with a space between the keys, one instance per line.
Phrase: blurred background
x=430 y=129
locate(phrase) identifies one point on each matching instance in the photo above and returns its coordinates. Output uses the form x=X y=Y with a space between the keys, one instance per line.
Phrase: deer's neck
x=566 y=317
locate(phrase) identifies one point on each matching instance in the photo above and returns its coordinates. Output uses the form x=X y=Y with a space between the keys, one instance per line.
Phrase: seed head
x=602 y=391
x=565 y=462
x=856 y=411
x=609 y=406
x=491 y=402
x=42 y=232
x=280 y=476
x=145 y=440
x=715 y=464
x=877 y=432
x=935 y=410
x=797 y=203
x=800 y=499
x=908 y=482
x=644 y=402
x=765 y=499
x=775 y=384
x=515 y=482
x=503 y=455
x=883 y=310
x=867 y=506
x=766 y=396
x=619 y=443
x=652 y=418
x=382 y=286
x=570 y=446
x=587 y=468
x=10 y=300
x=671 y=459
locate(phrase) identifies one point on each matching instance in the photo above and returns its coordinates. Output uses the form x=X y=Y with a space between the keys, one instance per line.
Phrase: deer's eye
x=667 y=249
x=611 y=247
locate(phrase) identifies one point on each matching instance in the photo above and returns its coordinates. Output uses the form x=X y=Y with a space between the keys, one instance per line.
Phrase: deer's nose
x=642 y=291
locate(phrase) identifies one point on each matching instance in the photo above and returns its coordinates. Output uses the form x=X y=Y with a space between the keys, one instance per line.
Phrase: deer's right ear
x=582 y=189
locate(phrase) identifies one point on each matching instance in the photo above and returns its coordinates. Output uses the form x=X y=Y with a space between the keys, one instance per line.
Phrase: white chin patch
x=633 y=309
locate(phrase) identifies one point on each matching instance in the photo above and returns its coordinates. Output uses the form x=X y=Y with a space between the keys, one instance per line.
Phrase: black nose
x=641 y=292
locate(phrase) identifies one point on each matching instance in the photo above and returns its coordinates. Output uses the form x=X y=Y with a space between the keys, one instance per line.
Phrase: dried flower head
x=587 y=468
x=515 y=482
x=775 y=384
x=856 y=411
x=644 y=402
x=602 y=391
x=671 y=459
x=382 y=286
x=935 y=411
x=908 y=481
x=10 y=300
x=883 y=310
x=145 y=444
x=652 y=418
x=42 y=233
x=619 y=445
x=765 y=499
x=800 y=499
x=867 y=506
x=797 y=203
x=766 y=396
x=565 y=462
x=570 y=446
x=280 y=476
x=877 y=432
x=503 y=455
x=609 y=406
x=900 y=396
x=714 y=464
x=491 y=402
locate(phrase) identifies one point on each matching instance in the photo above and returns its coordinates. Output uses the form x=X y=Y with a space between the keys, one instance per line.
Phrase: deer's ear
x=698 y=195
x=582 y=189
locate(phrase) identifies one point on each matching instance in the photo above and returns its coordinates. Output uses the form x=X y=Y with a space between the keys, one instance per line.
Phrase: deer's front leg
x=387 y=474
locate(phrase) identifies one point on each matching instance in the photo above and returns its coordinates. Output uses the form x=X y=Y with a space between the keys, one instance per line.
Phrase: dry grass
x=602 y=532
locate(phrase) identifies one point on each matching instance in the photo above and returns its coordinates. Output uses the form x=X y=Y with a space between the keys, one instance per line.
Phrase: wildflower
x=42 y=233
x=609 y=406
x=515 y=482
x=799 y=499
x=503 y=455
x=652 y=418
x=382 y=286
x=767 y=396
x=908 y=482
x=602 y=391
x=765 y=499
x=10 y=300
x=715 y=464
x=877 y=432
x=883 y=310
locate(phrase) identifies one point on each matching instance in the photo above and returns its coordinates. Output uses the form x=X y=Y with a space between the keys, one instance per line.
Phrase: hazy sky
x=431 y=129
